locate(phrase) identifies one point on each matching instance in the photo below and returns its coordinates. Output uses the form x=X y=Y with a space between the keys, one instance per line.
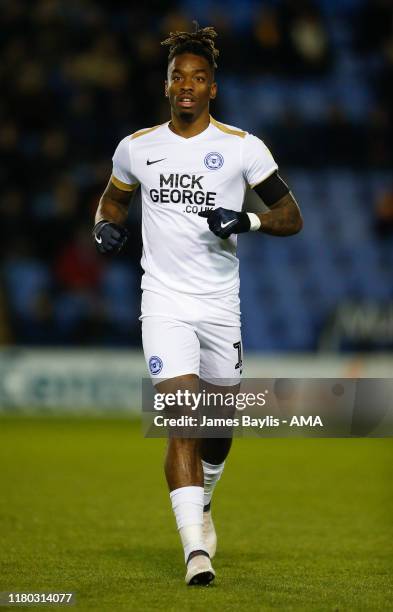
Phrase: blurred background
x=312 y=78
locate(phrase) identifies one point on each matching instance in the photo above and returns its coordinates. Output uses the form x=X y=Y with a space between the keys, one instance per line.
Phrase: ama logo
x=214 y=161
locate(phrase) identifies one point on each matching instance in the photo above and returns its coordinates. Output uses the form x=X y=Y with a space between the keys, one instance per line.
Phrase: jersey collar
x=199 y=136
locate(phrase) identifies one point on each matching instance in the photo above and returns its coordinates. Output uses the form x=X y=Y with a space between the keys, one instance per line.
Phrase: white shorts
x=184 y=334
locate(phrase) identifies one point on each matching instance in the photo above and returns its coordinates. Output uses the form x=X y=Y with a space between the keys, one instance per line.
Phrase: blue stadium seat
x=25 y=280
x=121 y=293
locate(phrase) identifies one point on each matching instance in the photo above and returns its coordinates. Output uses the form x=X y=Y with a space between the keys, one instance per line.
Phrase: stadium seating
x=290 y=286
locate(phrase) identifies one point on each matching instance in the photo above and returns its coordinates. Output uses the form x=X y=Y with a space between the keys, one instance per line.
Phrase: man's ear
x=166 y=89
x=213 y=91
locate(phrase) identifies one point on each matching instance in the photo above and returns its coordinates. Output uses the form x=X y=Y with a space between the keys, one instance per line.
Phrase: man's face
x=190 y=85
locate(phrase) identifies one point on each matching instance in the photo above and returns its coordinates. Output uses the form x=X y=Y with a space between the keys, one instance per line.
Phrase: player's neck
x=188 y=129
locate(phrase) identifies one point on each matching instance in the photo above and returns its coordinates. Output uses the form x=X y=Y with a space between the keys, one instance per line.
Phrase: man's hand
x=223 y=222
x=109 y=237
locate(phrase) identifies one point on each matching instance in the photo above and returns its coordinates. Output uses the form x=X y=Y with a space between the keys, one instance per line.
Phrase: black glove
x=109 y=237
x=223 y=222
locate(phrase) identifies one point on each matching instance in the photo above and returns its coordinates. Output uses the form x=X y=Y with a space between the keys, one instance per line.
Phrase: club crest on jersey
x=155 y=364
x=214 y=161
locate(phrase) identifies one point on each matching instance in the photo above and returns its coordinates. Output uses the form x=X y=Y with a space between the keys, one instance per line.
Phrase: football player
x=193 y=172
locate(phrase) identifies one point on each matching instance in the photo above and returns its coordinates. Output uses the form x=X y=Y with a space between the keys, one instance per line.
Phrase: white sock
x=211 y=475
x=187 y=504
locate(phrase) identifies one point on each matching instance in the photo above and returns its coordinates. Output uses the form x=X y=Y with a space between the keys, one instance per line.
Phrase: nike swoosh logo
x=149 y=163
x=224 y=225
x=98 y=239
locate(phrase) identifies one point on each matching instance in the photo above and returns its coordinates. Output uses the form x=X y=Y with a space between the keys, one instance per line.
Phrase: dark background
x=313 y=79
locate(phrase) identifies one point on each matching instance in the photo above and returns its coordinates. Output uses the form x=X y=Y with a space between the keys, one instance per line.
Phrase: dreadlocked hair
x=199 y=42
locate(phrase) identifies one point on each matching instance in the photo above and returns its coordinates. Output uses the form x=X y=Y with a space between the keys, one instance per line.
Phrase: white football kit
x=190 y=305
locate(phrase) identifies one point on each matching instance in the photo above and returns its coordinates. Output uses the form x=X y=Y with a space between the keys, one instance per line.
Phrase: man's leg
x=213 y=452
x=172 y=354
x=182 y=464
x=184 y=474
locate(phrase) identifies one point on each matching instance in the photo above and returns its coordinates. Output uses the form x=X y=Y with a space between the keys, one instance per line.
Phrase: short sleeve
x=122 y=176
x=258 y=162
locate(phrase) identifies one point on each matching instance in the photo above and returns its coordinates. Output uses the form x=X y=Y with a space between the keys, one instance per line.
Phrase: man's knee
x=183 y=444
x=186 y=382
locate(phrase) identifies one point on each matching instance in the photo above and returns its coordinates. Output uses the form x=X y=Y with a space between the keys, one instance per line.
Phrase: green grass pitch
x=303 y=524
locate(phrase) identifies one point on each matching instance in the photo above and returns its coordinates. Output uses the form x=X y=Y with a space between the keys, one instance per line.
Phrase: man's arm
x=283 y=218
x=109 y=232
x=113 y=205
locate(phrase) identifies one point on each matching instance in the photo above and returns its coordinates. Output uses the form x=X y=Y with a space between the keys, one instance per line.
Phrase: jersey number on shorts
x=238 y=347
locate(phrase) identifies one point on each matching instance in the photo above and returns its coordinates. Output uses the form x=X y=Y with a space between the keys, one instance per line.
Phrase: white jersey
x=180 y=177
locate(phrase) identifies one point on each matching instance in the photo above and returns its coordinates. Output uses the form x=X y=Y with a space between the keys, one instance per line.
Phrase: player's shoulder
x=144 y=132
x=229 y=130
x=249 y=142
x=141 y=133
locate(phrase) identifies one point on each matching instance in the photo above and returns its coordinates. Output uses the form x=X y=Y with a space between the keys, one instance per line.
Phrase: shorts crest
x=155 y=365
